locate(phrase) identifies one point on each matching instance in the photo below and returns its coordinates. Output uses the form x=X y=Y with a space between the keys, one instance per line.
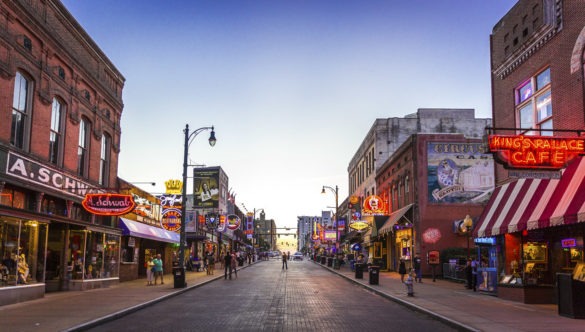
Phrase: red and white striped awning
x=536 y=203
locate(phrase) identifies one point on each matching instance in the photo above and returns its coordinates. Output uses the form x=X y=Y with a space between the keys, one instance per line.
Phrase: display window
x=93 y=255
x=22 y=248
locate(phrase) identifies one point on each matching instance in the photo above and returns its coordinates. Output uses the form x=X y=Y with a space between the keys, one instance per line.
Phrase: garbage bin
x=359 y=270
x=323 y=259
x=329 y=261
x=570 y=300
x=179 y=277
x=374 y=275
x=336 y=263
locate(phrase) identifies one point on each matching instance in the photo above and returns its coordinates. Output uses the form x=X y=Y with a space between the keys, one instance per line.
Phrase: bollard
x=409 y=285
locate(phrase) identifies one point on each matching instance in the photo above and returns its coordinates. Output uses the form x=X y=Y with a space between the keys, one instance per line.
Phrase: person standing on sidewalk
x=158 y=269
x=417 y=270
x=234 y=265
x=227 y=265
x=284 y=259
x=474 y=264
x=402 y=269
x=149 y=271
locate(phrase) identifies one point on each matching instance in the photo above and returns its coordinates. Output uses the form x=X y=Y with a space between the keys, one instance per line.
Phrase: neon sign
x=108 y=204
x=536 y=151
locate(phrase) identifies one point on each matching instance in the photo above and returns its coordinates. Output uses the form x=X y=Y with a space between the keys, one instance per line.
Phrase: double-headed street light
x=180 y=282
x=336 y=192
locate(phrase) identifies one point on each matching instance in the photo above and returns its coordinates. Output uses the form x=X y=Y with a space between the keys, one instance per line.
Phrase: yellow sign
x=359 y=225
x=354 y=199
x=174 y=186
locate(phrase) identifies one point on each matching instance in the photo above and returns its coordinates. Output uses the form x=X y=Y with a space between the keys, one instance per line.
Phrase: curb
x=453 y=323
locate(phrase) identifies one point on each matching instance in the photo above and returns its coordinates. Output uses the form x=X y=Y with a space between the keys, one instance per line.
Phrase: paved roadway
x=305 y=297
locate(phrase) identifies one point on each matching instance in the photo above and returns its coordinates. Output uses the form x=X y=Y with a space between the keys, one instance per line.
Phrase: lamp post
x=336 y=192
x=468 y=223
x=180 y=282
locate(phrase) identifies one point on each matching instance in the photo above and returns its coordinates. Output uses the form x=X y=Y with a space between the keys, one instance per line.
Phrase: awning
x=393 y=219
x=134 y=228
x=535 y=203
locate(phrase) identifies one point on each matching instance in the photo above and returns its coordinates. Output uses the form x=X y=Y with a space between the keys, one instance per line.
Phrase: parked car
x=297 y=256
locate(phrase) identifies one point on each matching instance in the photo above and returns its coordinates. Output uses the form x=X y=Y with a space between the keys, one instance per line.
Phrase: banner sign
x=233 y=222
x=206 y=188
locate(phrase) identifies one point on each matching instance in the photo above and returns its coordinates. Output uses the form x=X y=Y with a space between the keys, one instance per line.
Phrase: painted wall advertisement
x=459 y=172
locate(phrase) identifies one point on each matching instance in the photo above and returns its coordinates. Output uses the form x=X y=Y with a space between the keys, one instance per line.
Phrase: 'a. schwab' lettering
x=108 y=204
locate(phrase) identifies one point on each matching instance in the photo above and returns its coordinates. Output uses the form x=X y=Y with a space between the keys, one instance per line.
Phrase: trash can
x=329 y=261
x=323 y=260
x=179 y=277
x=336 y=263
x=374 y=275
x=359 y=270
x=570 y=300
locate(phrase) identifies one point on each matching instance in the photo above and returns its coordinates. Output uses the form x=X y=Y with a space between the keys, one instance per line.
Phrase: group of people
x=154 y=270
x=414 y=272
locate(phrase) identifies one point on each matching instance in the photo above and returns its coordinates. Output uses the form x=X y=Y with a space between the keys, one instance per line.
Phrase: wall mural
x=459 y=172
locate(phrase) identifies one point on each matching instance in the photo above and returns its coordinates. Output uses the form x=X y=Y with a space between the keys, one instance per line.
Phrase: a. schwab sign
x=33 y=172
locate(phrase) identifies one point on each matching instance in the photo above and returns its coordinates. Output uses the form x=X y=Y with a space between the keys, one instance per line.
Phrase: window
x=55 y=135
x=534 y=104
x=27 y=43
x=82 y=149
x=20 y=111
x=105 y=160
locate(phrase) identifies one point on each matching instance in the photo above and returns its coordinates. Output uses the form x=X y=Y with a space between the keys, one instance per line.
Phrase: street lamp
x=180 y=282
x=336 y=192
x=468 y=223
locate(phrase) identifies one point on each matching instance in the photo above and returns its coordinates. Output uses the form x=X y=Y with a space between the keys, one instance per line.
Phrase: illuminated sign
x=569 y=243
x=485 y=240
x=330 y=235
x=359 y=225
x=373 y=206
x=108 y=204
x=536 y=151
x=233 y=222
x=174 y=187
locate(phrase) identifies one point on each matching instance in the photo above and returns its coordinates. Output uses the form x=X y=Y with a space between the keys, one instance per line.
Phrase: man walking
x=227 y=265
x=284 y=259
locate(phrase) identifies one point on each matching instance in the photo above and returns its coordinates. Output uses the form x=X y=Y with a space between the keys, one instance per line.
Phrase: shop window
x=22 y=250
x=93 y=255
x=534 y=105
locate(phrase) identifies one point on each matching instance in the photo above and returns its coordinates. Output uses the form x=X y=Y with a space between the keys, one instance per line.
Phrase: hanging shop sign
x=548 y=152
x=171 y=211
x=374 y=206
x=108 y=204
x=359 y=225
x=211 y=221
x=233 y=222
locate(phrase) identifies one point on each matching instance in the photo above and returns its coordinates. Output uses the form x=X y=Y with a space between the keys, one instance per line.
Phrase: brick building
x=534 y=220
x=60 y=109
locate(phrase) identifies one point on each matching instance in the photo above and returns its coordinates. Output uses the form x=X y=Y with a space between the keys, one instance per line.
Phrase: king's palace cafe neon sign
x=547 y=152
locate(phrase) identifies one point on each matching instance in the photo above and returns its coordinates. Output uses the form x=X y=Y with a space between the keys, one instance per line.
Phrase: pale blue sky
x=292 y=87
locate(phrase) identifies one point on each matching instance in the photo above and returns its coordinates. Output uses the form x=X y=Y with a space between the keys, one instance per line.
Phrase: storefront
x=540 y=226
x=140 y=242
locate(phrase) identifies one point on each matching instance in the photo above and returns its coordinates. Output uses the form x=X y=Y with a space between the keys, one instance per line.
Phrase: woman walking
x=149 y=271
x=402 y=269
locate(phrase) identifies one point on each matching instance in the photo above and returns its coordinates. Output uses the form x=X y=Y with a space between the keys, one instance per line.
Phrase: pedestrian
x=149 y=271
x=474 y=264
x=468 y=274
x=210 y=263
x=402 y=269
x=284 y=259
x=158 y=269
x=417 y=270
x=234 y=265
x=227 y=265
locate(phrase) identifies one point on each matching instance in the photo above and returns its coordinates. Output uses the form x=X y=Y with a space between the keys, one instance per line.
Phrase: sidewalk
x=74 y=311
x=464 y=309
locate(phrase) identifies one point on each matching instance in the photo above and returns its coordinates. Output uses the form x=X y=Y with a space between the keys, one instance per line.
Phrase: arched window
x=83 y=147
x=105 y=159
x=55 y=136
x=21 y=112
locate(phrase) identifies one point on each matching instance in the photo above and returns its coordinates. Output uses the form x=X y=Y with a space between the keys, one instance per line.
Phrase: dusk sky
x=292 y=87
